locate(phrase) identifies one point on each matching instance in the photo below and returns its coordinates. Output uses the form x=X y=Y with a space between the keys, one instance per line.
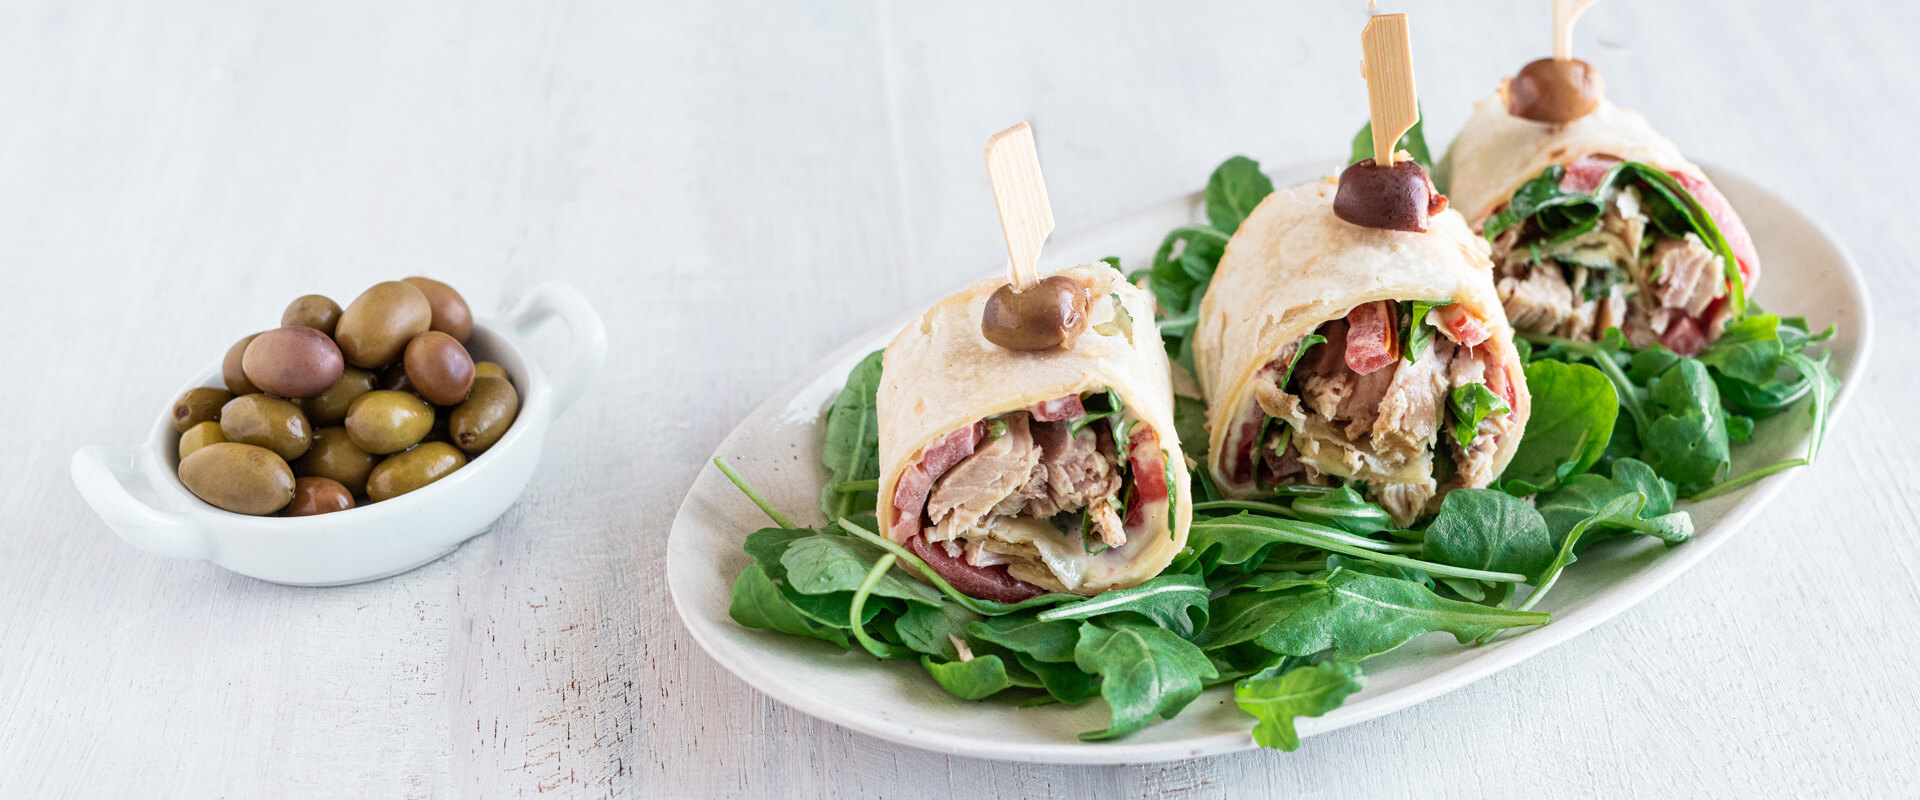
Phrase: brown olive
x=1556 y=91
x=385 y=421
x=238 y=477
x=486 y=415
x=451 y=315
x=267 y=421
x=295 y=361
x=197 y=406
x=405 y=472
x=488 y=369
x=1396 y=198
x=1050 y=314
x=330 y=407
x=439 y=368
x=314 y=495
x=231 y=371
x=199 y=436
x=334 y=456
x=377 y=325
x=316 y=311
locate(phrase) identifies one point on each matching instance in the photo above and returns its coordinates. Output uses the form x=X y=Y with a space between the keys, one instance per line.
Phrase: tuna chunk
x=1687 y=275
x=963 y=498
x=1070 y=474
x=1410 y=410
x=1540 y=302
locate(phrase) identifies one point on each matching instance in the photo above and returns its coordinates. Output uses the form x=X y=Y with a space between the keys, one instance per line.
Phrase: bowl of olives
x=349 y=443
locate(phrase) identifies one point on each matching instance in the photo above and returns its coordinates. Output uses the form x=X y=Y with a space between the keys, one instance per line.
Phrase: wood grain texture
x=740 y=188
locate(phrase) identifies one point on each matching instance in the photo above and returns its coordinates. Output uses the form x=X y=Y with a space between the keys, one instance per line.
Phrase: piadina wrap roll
x=1330 y=350
x=1600 y=223
x=1013 y=472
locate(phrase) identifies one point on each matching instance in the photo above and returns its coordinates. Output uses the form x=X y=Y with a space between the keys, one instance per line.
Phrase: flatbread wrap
x=1600 y=223
x=1014 y=473
x=1327 y=350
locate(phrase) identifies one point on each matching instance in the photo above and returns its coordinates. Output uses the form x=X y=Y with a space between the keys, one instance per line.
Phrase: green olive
x=330 y=407
x=488 y=369
x=485 y=416
x=413 y=469
x=267 y=421
x=197 y=406
x=386 y=421
x=199 y=436
x=334 y=456
x=377 y=325
x=316 y=311
x=238 y=477
x=231 y=371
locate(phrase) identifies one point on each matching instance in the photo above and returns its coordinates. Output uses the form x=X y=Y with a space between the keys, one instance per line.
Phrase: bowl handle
x=587 y=350
x=102 y=474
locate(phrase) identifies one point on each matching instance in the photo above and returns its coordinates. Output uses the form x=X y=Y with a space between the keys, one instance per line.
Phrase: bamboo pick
x=1564 y=14
x=1026 y=218
x=1389 y=72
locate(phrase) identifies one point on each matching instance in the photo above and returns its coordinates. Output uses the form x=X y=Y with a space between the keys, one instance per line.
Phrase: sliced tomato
x=1370 y=337
x=1584 y=175
x=1058 y=409
x=1149 y=473
x=1462 y=326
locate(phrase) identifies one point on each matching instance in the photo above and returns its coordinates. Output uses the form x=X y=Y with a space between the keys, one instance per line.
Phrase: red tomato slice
x=1370 y=337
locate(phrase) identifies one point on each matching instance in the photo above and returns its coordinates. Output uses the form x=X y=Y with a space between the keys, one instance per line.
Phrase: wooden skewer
x=1564 y=14
x=1026 y=218
x=1389 y=71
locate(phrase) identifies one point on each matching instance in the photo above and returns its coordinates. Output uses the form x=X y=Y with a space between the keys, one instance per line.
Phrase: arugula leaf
x=824 y=563
x=1490 y=530
x=1622 y=512
x=928 y=630
x=1354 y=615
x=1585 y=496
x=1819 y=382
x=758 y=603
x=1687 y=440
x=1414 y=141
x=1028 y=635
x=1064 y=681
x=1235 y=187
x=1748 y=350
x=974 y=679
x=1244 y=539
x=1472 y=403
x=1145 y=671
x=1418 y=333
x=1176 y=601
x=1276 y=699
x=1574 y=407
x=1345 y=509
x=852 y=448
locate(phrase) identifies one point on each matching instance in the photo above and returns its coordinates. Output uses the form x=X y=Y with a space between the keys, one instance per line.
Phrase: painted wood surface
x=740 y=188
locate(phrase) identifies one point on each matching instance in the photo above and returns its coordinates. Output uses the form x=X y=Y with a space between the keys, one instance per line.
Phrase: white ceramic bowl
x=137 y=492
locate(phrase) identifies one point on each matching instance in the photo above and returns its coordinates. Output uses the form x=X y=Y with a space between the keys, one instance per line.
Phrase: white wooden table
x=740 y=189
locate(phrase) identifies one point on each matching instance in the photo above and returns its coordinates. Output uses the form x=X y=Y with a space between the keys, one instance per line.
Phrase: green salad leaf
x=852 y=448
x=1490 y=530
x=974 y=679
x=1414 y=141
x=1276 y=698
x=1574 y=407
x=1146 y=671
